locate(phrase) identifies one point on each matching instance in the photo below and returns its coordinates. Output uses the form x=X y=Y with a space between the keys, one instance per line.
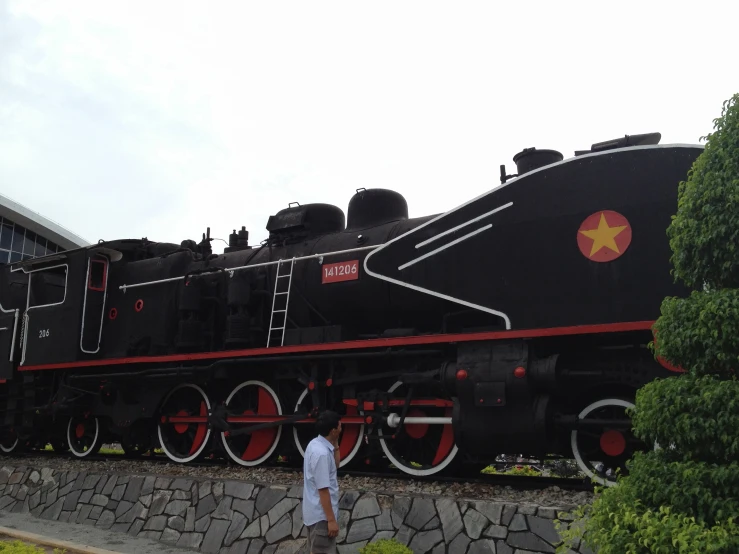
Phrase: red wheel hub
x=263 y=439
x=181 y=427
x=79 y=431
x=416 y=430
x=613 y=443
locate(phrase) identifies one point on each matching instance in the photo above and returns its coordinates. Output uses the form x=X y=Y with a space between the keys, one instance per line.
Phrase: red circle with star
x=604 y=236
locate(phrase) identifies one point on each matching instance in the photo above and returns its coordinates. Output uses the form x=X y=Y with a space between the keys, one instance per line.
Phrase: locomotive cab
x=65 y=287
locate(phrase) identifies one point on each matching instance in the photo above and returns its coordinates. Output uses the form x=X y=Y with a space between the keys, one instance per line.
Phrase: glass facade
x=18 y=243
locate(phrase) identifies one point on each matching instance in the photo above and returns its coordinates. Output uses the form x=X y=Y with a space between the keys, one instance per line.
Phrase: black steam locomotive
x=515 y=323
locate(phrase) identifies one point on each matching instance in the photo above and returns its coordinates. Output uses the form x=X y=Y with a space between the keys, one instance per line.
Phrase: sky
x=158 y=119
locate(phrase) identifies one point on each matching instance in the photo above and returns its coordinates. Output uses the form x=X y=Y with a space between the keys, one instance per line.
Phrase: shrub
x=524 y=470
x=385 y=546
x=19 y=547
x=682 y=496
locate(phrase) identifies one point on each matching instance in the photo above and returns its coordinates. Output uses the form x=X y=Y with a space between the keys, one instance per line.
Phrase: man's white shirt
x=319 y=472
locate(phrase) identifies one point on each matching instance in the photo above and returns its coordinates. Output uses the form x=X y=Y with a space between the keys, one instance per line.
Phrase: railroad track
x=519 y=482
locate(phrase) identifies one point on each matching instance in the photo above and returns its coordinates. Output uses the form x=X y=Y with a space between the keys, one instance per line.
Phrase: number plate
x=342 y=271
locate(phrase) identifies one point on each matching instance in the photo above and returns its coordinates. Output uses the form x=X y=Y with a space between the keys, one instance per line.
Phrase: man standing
x=321 y=487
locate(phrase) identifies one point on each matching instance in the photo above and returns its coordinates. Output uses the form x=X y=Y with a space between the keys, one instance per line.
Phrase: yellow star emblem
x=603 y=236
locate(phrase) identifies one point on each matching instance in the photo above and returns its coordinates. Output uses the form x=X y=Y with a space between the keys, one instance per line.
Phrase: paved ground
x=86 y=535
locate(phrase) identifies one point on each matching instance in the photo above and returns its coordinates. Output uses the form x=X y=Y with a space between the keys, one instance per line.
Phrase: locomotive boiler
x=517 y=322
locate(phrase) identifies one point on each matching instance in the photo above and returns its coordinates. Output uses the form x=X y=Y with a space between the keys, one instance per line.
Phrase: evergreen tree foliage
x=683 y=496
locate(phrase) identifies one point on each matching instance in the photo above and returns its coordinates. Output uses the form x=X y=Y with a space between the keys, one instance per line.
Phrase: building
x=25 y=234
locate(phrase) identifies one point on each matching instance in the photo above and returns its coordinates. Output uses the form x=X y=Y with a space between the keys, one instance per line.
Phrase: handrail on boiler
x=231 y=270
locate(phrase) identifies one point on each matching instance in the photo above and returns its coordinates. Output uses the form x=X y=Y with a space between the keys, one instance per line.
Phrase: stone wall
x=240 y=517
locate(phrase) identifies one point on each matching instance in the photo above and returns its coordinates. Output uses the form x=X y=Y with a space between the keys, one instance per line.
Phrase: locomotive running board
x=358 y=345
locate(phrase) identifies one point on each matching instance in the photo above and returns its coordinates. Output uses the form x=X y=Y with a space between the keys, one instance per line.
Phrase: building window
x=18 y=243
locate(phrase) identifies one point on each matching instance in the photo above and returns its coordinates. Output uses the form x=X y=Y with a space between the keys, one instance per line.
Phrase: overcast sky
x=159 y=118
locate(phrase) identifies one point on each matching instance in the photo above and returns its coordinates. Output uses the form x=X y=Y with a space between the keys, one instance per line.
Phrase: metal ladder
x=286 y=295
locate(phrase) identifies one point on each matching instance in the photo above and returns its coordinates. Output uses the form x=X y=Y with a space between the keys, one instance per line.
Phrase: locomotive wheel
x=252 y=398
x=183 y=442
x=8 y=442
x=137 y=439
x=351 y=434
x=133 y=448
x=83 y=436
x=419 y=448
x=59 y=444
x=606 y=446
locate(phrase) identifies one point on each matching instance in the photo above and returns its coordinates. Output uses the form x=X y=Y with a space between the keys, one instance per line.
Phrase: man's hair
x=326 y=422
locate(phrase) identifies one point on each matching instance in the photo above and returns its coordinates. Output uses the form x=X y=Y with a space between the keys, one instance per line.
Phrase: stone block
x=206 y=506
x=218 y=490
x=459 y=544
x=238 y=489
x=148 y=486
x=528 y=541
x=214 y=537
x=162 y=483
x=190 y=540
x=177 y=507
x=238 y=524
x=159 y=501
x=90 y=482
x=450 y=517
x=366 y=506
x=422 y=511
x=253 y=530
x=106 y=520
x=475 y=523
x=401 y=506
x=348 y=499
x=99 y=500
x=181 y=484
x=280 y=530
x=543 y=528
x=156 y=523
x=170 y=536
x=109 y=485
x=496 y=532
x=268 y=497
x=491 y=510
x=426 y=540
x=223 y=510
x=281 y=508
x=133 y=490
x=190 y=520
x=483 y=546
x=177 y=523
x=245 y=507
x=361 y=530
x=202 y=524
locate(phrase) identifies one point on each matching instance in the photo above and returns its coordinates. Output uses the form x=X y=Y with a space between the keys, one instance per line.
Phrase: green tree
x=683 y=497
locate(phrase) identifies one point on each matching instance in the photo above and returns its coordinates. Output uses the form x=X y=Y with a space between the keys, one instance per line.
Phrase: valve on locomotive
x=205 y=248
x=529 y=159
x=371 y=207
x=238 y=241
